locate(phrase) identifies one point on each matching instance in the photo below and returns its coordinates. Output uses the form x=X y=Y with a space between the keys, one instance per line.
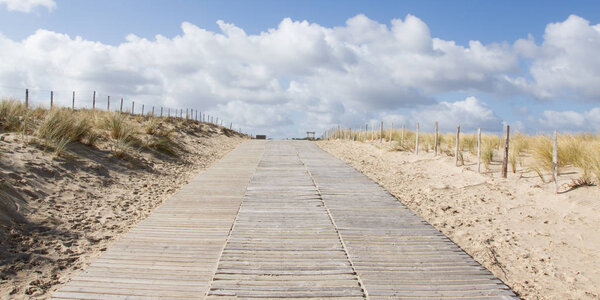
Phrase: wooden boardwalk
x=284 y=219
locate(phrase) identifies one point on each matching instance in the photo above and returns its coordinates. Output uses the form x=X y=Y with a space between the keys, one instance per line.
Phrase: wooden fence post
x=187 y=112
x=479 y=150
x=73 y=105
x=161 y=111
x=142 y=109
x=133 y=107
x=555 y=161
x=391 y=132
x=417 y=140
x=94 y=101
x=505 y=161
x=169 y=112
x=403 y=134
x=457 y=145
x=51 y=99
x=153 y=110
x=435 y=140
x=381 y=132
x=26 y=98
x=108 y=104
x=373 y=133
x=121 y=110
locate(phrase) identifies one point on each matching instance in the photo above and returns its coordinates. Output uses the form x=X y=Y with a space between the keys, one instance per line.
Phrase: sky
x=282 y=68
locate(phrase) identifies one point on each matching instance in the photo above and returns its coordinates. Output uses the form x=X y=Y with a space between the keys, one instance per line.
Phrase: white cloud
x=299 y=72
x=28 y=5
x=566 y=64
x=470 y=113
x=303 y=76
x=588 y=121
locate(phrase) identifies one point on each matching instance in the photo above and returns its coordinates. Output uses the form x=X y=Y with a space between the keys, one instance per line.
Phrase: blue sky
x=513 y=78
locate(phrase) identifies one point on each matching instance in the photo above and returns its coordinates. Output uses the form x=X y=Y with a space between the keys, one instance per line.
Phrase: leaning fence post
x=479 y=150
x=435 y=140
x=381 y=132
x=555 y=161
x=417 y=140
x=26 y=98
x=457 y=144
x=505 y=161
x=403 y=134
x=373 y=133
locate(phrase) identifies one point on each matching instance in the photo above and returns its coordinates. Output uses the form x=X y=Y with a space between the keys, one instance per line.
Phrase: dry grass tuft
x=62 y=126
x=12 y=114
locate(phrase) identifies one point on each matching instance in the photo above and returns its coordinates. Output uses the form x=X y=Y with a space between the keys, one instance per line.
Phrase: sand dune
x=59 y=212
x=544 y=246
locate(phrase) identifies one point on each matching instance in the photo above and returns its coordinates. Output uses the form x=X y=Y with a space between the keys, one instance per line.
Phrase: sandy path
x=544 y=246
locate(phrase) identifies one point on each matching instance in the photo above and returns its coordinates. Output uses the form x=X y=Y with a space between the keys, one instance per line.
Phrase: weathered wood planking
x=174 y=252
x=306 y=226
x=283 y=244
x=396 y=254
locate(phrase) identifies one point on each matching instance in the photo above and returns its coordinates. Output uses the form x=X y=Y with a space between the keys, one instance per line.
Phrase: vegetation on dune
x=580 y=151
x=123 y=133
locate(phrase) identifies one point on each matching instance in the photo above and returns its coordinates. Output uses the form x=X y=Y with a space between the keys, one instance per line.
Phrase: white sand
x=544 y=246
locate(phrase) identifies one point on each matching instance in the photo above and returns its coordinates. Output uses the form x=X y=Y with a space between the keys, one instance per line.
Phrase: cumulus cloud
x=571 y=121
x=299 y=72
x=470 y=113
x=28 y=5
x=303 y=76
x=566 y=64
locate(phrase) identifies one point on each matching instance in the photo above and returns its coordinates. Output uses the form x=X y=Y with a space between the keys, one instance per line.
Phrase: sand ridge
x=72 y=207
x=544 y=246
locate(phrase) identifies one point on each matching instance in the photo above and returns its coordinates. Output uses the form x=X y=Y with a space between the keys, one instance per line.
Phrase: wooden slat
x=284 y=220
x=174 y=252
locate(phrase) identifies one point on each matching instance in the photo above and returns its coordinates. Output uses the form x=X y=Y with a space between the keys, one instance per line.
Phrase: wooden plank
x=174 y=252
x=284 y=219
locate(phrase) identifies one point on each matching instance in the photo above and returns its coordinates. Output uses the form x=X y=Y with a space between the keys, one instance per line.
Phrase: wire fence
x=97 y=100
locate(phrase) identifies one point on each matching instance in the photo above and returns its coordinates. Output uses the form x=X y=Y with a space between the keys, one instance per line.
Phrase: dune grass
x=61 y=127
x=58 y=127
x=581 y=151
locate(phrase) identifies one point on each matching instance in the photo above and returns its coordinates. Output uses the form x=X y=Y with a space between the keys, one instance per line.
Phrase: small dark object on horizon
x=261 y=137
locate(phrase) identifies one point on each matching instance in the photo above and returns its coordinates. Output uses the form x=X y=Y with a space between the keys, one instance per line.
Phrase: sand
x=59 y=213
x=544 y=246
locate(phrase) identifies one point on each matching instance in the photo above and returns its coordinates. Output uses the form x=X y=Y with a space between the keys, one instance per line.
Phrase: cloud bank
x=303 y=76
